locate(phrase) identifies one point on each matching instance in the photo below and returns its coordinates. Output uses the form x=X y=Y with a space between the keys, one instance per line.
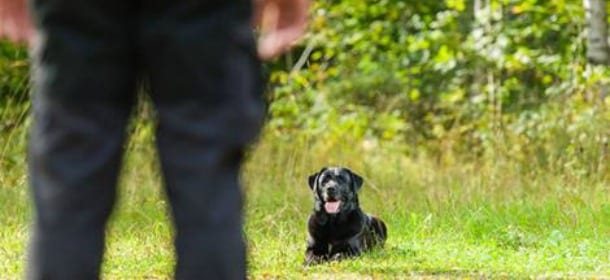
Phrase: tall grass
x=490 y=217
x=483 y=217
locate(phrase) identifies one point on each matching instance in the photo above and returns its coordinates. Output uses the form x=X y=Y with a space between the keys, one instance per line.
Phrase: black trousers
x=201 y=61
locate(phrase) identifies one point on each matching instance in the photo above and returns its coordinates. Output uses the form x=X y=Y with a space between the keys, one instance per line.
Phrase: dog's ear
x=357 y=181
x=312 y=180
x=313 y=177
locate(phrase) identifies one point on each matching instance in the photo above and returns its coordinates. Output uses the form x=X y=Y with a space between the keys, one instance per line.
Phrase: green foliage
x=509 y=79
x=441 y=78
x=13 y=74
x=13 y=88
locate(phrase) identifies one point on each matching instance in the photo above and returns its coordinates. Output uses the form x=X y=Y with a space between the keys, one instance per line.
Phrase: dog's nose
x=331 y=190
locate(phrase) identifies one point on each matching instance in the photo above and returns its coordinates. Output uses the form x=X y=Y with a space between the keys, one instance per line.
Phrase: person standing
x=203 y=64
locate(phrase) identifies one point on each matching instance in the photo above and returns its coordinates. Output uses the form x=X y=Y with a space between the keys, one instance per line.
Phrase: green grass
x=484 y=219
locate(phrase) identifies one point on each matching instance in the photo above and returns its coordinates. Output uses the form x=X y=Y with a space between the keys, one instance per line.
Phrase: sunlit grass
x=484 y=219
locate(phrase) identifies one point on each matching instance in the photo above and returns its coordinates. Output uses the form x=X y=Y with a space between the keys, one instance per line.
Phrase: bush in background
x=456 y=80
x=489 y=81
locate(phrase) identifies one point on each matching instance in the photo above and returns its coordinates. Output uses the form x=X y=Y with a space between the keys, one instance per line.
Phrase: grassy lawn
x=490 y=219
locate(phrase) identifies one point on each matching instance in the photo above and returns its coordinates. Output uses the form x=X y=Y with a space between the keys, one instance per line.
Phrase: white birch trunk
x=597 y=32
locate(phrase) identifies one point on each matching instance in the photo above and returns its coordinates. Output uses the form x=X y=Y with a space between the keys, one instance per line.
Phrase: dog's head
x=335 y=189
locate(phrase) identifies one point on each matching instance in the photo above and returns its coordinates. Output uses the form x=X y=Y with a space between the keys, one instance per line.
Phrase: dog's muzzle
x=332 y=203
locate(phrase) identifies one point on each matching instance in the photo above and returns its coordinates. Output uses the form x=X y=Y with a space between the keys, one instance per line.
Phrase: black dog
x=338 y=228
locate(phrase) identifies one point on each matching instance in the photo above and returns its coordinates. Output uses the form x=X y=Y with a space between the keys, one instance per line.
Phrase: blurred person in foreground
x=202 y=61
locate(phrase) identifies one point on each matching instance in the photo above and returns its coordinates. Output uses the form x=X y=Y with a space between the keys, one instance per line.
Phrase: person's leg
x=83 y=78
x=205 y=80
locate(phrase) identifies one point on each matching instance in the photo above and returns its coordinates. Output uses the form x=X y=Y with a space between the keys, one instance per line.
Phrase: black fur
x=349 y=231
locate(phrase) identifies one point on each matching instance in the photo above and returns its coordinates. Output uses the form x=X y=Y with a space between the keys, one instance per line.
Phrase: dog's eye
x=325 y=179
x=340 y=179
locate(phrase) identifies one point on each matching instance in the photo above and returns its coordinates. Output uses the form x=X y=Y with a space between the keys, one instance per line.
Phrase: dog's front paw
x=337 y=257
x=313 y=260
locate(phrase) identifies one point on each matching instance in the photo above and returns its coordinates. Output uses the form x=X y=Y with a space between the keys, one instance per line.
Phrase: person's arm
x=15 y=21
x=281 y=23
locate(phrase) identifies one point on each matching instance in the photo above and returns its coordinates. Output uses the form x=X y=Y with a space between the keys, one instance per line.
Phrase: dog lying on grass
x=338 y=228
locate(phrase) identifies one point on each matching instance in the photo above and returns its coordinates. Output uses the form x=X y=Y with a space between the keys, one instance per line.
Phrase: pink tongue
x=332 y=207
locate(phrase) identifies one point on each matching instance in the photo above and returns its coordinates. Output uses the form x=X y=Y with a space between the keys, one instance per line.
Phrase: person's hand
x=15 y=21
x=281 y=23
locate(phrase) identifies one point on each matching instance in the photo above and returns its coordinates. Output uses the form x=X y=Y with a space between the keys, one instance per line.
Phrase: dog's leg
x=380 y=231
x=348 y=249
x=316 y=252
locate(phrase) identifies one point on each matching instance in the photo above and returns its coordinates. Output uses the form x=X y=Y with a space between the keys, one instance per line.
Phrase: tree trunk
x=597 y=32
